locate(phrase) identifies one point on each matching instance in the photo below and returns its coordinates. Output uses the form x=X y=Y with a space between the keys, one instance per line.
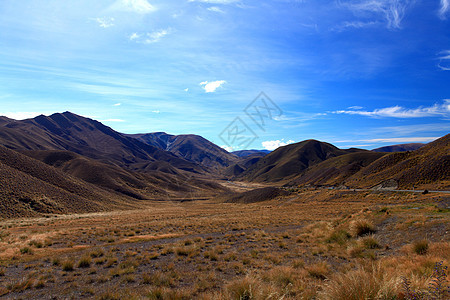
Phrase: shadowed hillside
x=289 y=161
x=68 y=131
x=427 y=166
x=29 y=187
x=400 y=147
x=190 y=147
x=244 y=153
x=336 y=170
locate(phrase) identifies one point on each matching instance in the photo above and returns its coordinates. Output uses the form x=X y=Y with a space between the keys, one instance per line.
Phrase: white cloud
x=445 y=6
x=215 y=9
x=400 y=112
x=413 y=129
x=117 y=104
x=112 y=120
x=211 y=87
x=354 y=24
x=229 y=149
x=272 y=145
x=22 y=115
x=444 y=60
x=136 y=6
x=134 y=36
x=104 y=22
x=149 y=37
x=155 y=36
x=355 y=107
x=155 y=111
x=392 y=11
x=186 y=89
x=216 y=1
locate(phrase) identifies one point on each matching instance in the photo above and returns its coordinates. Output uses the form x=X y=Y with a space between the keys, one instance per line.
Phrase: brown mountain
x=90 y=138
x=29 y=187
x=400 y=147
x=289 y=161
x=334 y=171
x=190 y=147
x=244 y=153
x=428 y=167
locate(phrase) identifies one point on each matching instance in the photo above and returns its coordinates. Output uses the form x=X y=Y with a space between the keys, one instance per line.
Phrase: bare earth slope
x=68 y=131
x=289 y=161
x=335 y=171
x=29 y=187
x=190 y=147
x=428 y=166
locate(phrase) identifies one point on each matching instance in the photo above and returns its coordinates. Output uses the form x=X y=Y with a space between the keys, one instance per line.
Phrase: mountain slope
x=289 y=161
x=190 y=147
x=400 y=147
x=87 y=137
x=335 y=171
x=428 y=166
x=29 y=187
x=244 y=153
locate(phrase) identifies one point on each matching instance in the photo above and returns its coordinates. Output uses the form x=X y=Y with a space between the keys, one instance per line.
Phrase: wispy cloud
x=215 y=9
x=400 y=112
x=392 y=11
x=149 y=37
x=216 y=1
x=354 y=25
x=444 y=60
x=445 y=7
x=403 y=130
x=104 y=22
x=117 y=104
x=272 y=145
x=136 y=6
x=211 y=87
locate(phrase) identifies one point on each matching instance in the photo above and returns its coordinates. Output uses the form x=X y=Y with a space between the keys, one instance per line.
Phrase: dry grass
x=307 y=248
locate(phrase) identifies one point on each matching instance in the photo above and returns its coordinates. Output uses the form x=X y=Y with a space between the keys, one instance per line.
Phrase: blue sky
x=362 y=73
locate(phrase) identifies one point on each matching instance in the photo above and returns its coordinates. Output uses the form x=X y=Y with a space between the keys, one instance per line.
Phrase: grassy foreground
x=308 y=245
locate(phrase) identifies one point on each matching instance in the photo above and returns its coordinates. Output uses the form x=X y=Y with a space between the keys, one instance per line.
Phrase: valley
x=88 y=212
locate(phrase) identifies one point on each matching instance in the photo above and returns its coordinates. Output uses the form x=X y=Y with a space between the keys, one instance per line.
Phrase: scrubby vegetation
x=307 y=245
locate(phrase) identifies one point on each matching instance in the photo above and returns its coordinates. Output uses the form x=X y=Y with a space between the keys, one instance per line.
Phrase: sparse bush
x=242 y=289
x=319 y=270
x=361 y=284
x=362 y=227
x=420 y=247
x=339 y=236
x=67 y=266
x=97 y=253
x=85 y=262
x=37 y=244
x=438 y=288
x=370 y=242
x=56 y=261
x=26 y=250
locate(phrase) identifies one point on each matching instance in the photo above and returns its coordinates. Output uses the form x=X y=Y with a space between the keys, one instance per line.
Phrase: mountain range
x=68 y=163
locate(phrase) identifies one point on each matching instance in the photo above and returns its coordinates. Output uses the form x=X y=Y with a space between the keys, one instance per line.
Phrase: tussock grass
x=362 y=227
x=363 y=283
x=420 y=247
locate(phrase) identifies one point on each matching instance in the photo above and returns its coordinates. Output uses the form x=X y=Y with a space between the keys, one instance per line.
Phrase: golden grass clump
x=362 y=283
x=362 y=227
